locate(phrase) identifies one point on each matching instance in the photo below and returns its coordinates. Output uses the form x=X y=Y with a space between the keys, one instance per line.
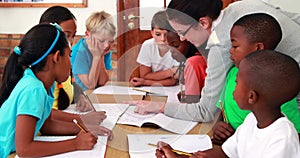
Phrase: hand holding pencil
x=165 y=150
x=84 y=140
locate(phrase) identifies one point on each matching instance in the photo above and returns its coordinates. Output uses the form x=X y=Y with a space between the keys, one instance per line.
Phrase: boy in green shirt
x=249 y=33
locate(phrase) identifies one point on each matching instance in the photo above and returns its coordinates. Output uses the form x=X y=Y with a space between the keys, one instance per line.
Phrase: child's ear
x=152 y=33
x=253 y=97
x=205 y=22
x=87 y=33
x=260 y=46
x=56 y=57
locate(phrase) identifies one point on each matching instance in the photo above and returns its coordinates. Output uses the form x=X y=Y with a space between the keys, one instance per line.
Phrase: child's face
x=104 y=39
x=69 y=27
x=160 y=36
x=64 y=70
x=181 y=46
x=241 y=91
x=240 y=45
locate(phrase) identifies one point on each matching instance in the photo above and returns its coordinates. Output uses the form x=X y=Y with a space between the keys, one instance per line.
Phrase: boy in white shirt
x=266 y=79
x=155 y=58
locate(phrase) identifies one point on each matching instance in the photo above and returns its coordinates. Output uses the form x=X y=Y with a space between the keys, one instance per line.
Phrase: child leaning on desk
x=250 y=33
x=63 y=96
x=263 y=85
x=91 y=56
x=26 y=91
x=155 y=58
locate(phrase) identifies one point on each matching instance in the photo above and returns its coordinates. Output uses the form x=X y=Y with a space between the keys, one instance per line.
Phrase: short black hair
x=56 y=14
x=261 y=27
x=273 y=74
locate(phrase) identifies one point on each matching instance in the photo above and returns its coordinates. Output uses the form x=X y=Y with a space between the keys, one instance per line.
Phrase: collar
x=217 y=21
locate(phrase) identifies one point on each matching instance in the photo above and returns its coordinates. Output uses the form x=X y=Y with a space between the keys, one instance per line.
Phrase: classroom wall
x=19 y=20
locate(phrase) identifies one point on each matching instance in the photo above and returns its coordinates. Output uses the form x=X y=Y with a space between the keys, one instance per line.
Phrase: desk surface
x=118 y=147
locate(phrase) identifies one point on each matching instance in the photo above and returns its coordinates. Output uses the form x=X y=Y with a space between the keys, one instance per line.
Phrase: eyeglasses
x=182 y=34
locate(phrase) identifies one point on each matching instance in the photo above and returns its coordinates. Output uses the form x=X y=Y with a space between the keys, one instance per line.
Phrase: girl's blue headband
x=51 y=47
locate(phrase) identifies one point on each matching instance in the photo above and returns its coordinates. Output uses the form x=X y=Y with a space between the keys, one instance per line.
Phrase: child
x=64 y=96
x=251 y=32
x=155 y=58
x=41 y=58
x=191 y=71
x=91 y=55
x=263 y=85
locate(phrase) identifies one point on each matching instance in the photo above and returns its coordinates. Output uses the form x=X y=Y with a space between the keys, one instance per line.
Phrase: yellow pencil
x=223 y=112
x=175 y=151
x=141 y=90
x=81 y=127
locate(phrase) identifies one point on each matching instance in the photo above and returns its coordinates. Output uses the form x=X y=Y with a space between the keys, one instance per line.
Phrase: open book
x=139 y=148
x=168 y=123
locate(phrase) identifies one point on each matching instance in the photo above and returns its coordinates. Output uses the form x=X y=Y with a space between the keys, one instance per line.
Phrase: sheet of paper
x=170 y=124
x=117 y=90
x=170 y=91
x=97 y=152
x=139 y=148
x=113 y=111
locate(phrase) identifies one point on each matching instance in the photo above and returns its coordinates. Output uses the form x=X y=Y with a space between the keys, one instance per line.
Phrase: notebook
x=168 y=123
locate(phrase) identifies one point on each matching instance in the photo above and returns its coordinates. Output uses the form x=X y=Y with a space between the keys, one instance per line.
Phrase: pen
x=81 y=127
x=175 y=151
x=223 y=112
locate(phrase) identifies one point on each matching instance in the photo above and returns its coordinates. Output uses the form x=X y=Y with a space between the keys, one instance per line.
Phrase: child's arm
x=211 y=153
x=91 y=118
x=27 y=147
x=146 y=73
x=103 y=75
x=143 y=82
x=55 y=127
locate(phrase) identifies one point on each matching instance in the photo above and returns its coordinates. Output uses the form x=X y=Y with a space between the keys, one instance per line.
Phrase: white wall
x=20 y=20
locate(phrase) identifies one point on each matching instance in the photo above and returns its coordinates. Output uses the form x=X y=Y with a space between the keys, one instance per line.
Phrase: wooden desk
x=118 y=147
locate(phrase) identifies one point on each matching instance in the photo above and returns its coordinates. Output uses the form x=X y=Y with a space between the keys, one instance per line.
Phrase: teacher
x=203 y=22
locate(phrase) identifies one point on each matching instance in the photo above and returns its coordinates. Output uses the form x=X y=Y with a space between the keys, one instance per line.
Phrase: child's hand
x=93 y=118
x=137 y=81
x=94 y=46
x=85 y=141
x=165 y=151
x=199 y=154
x=100 y=130
x=221 y=132
x=145 y=107
x=82 y=104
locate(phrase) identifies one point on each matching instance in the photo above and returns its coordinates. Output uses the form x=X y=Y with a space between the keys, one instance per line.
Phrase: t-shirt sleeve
x=107 y=61
x=143 y=57
x=30 y=105
x=81 y=64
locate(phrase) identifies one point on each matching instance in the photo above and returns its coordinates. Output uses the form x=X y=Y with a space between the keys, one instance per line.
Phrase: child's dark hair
x=279 y=75
x=261 y=27
x=188 y=12
x=56 y=14
x=159 y=20
x=30 y=53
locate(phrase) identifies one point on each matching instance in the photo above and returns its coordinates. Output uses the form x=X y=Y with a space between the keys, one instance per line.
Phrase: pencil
x=89 y=101
x=175 y=151
x=141 y=90
x=223 y=112
x=81 y=127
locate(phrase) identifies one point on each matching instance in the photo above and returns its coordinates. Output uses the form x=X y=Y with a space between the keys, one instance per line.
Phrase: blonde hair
x=101 y=21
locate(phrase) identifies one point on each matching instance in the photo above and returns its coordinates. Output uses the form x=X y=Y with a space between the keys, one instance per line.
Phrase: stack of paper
x=139 y=148
x=117 y=90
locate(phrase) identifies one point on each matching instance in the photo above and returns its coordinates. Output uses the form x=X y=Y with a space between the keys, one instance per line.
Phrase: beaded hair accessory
x=17 y=50
x=58 y=29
